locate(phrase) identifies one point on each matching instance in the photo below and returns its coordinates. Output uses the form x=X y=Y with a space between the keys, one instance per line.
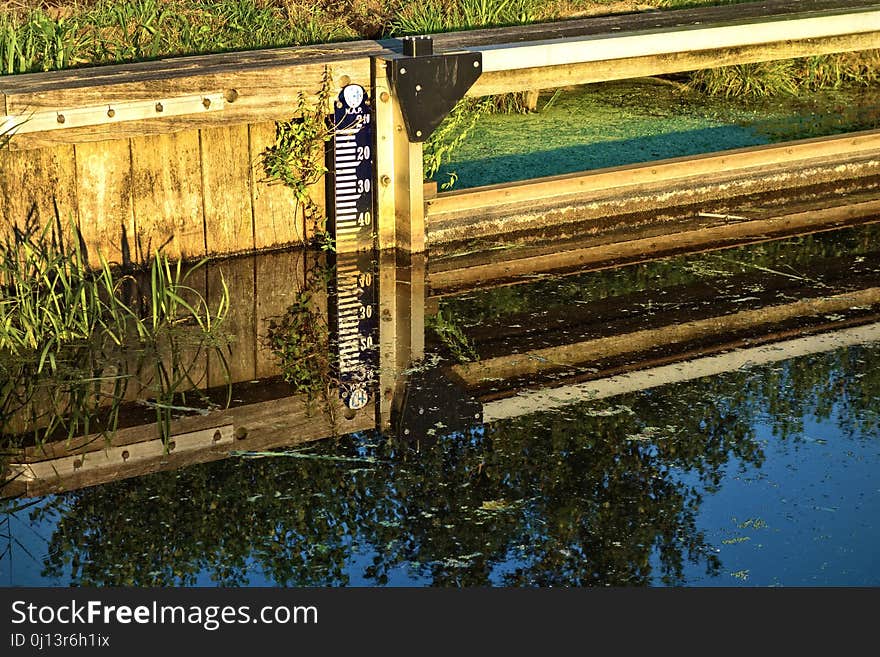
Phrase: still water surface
x=757 y=471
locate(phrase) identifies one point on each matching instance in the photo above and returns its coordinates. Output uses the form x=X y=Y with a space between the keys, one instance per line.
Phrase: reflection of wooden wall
x=198 y=192
x=260 y=287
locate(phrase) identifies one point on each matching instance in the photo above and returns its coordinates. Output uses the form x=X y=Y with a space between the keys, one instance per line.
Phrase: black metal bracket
x=428 y=85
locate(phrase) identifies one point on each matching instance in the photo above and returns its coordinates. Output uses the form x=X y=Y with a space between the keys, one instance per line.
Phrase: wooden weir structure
x=168 y=152
x=527 y=364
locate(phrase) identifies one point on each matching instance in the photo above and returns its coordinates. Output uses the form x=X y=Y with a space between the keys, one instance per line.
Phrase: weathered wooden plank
x=240 y=323
x=167 y=194
x=258 y=95
x=278 y=221
x=280 y=277
x=33 y=184
x=385 y=119
x=703 y=36
x=264 y=81
x=226 y=190
x=103 y=180
x=194 y=357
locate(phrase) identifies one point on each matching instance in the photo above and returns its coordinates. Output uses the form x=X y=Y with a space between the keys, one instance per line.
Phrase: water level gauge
x=350 y=192
x=353 y=320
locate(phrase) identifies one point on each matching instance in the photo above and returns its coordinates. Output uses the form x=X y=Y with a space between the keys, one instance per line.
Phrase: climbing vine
x=296 y=159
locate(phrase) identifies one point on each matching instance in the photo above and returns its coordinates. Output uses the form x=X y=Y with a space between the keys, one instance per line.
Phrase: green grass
x=109 y=31
x=789 y=76
x=432 y=17
x=73 y=336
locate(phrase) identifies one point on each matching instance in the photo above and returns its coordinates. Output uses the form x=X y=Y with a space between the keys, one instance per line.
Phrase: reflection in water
x=761 y=473
x=610 y=492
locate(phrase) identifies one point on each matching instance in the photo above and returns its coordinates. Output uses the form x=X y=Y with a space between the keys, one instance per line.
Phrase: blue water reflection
x=765 y=476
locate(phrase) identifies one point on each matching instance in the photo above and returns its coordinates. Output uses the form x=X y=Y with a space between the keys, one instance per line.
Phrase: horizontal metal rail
x=664 y=41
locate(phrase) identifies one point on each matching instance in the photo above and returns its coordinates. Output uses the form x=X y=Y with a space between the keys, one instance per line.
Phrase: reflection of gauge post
x=358 y=398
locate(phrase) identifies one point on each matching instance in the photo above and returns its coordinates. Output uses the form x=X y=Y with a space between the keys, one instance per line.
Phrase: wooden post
x=400 y=206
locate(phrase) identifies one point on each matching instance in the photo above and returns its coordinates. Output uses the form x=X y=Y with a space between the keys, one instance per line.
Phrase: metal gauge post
x=353 y=312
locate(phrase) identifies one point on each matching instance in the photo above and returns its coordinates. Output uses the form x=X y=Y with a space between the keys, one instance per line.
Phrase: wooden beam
x=262 y=85
x=664 y=41
x=550 y=77
x=400 y=208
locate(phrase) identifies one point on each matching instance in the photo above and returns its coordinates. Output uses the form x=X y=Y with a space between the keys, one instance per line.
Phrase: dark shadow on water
x=617 y=491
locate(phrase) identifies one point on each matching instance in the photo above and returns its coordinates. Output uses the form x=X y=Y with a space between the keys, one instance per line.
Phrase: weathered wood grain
x=34 y=185
x=240 y=323
x=103 y=180
x=226 y=183
x=278 y=221
x=280 y=277
x=167 y=194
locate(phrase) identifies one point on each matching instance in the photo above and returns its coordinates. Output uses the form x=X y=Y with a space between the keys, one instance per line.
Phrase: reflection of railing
x=594 y=350
x=135 y=451
x=533 y=401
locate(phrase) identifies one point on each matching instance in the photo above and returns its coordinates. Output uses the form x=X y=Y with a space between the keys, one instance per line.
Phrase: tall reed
x=74 y=338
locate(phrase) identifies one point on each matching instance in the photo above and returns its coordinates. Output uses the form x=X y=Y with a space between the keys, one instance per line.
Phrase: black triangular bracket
x=428 y=85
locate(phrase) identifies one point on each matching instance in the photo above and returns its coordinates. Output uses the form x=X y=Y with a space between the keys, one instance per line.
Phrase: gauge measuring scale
x=353 y=290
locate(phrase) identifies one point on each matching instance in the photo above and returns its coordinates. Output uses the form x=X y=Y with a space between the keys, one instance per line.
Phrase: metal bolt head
x=418 y=87
x=418 y=133
x=159 y=107
x=384 y=96
x=385 y=180
x=60 y=118
x=402 y=70
x=111 y=112
x=476 y=64
x=206 y=102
